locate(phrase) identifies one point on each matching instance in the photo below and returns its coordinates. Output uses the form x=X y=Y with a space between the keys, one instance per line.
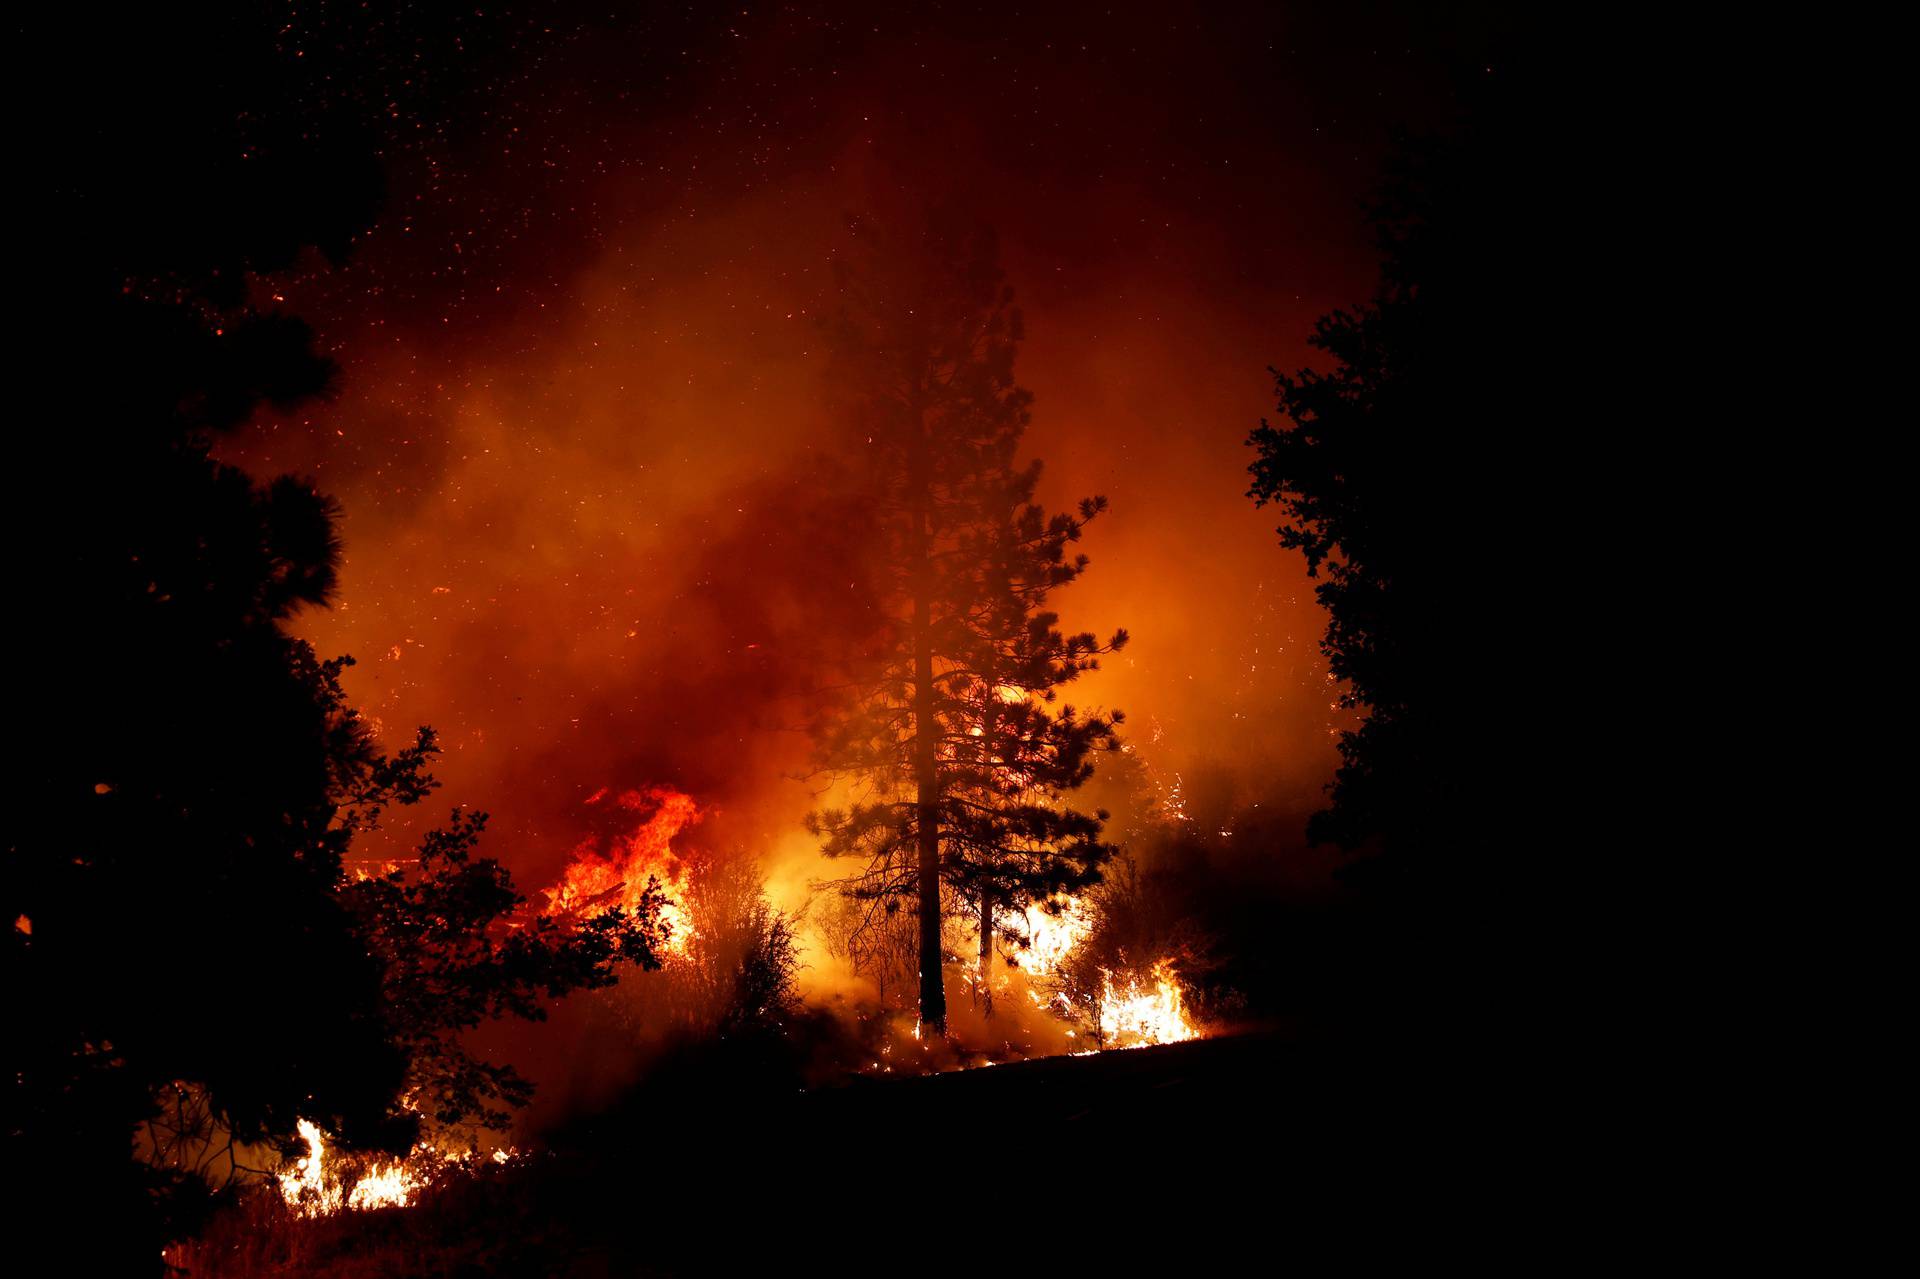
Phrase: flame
x=1135 y=1016
x=1052 y=936
x=1140 y=1016
x=317 y=1186
x=316 y=1189
x=387 y=1186
x=599 y=878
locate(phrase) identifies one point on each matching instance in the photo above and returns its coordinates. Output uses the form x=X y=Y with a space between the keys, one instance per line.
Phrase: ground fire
x=320 y=1183
x=1138 y=1016
x=1128 y=1012
x=604 y=871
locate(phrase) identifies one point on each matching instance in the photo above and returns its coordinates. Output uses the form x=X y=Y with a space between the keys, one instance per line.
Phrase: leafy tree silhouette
x=1404 y=468
x=178 y=918
x=458 y=947
x=1426 y=478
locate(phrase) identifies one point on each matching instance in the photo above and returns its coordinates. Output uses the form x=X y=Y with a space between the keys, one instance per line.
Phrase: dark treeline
x=191 y=970
x=1437 y=471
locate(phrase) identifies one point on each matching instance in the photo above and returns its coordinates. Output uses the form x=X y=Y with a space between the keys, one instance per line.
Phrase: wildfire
x=1135 y=1015
x=317 y=1186
x=600 y=877
x=1140 y=1016
x=1052 y=935
x=315 y=1189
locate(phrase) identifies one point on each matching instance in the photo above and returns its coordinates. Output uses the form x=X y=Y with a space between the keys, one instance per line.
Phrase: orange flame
x=1138 y=1017
x=1135 y=1016
x=1052 y=936
x=317 y=1186
x=599 y=877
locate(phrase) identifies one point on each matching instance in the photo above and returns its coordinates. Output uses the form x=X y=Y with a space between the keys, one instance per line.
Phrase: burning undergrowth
x=815 y=989
x=324 y=1181
x=1064 y=979
x=1074 y=970
x=338 y=1214
x=753 y=1000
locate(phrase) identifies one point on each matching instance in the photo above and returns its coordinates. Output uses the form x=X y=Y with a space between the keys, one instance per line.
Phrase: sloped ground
x=1121 y=1156
x=1228 y=1155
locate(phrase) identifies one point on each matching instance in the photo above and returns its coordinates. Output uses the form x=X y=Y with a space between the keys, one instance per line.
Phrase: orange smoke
x=593 y=522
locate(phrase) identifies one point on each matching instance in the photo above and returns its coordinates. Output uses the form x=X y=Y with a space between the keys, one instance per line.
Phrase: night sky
x=582 y=379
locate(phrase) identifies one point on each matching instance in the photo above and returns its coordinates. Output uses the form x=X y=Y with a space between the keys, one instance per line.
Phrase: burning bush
x=456 y=946
x=419 y=1216
x=1065 y=977
x=461 y=947
x=726 y=985
x=1121 y=974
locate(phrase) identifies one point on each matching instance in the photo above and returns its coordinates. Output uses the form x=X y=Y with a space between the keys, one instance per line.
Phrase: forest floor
x=1204 y=1155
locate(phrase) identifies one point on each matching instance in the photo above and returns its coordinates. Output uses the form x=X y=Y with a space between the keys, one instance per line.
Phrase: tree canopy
x=1414 y=473
x=1432 y=473
x=181 y=919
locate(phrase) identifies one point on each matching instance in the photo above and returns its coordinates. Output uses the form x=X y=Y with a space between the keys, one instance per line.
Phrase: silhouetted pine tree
x=926 y=337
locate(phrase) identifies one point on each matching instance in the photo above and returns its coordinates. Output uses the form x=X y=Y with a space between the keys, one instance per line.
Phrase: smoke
x=588 y=455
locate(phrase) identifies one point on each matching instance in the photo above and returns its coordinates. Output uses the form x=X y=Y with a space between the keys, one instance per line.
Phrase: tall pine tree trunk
x=986 y=952
x=933 y=993
x=989 y=723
